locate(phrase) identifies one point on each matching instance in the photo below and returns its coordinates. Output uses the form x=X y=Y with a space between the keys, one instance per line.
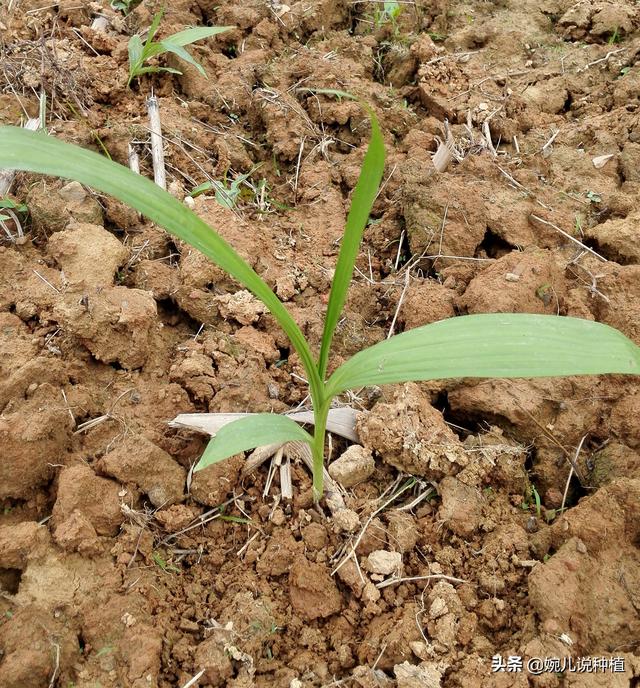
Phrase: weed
x=615 y=37
x=482 y=346
x=164 y=564
x=227 y=191
x=9 y=211
x=388 y=13
x=125 y=6
x=140 y=52
x=531 y=498
x=536 y=498
x=594 y=197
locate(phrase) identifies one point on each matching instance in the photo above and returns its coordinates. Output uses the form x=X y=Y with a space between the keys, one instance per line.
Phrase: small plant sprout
x=125 y=6
x=227 y=191
x=140 y=53
x=507 y=345
x=389 y=12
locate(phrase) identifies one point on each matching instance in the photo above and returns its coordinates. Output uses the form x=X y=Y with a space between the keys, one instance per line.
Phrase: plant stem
x=321 y=413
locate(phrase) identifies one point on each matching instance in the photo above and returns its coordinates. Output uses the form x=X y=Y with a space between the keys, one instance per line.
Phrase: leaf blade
x=362 y=201
x=491 y=345
x=254 y=430
x=194 y=34
x=134 y=48
x=183 y=55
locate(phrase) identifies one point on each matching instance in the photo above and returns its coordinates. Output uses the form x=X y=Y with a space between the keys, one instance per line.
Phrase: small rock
x=53 y=211
x=73 y=192
x=349 y=574
x=76 y=533
x=425 y=675
x=366 y=677
x=438 y=608
x=411 y=435
x=384 y=563
x=242 y=306
x=354 y=466
x=139 y=461
x=346 y=520
x=370 y=593
x=421 y=650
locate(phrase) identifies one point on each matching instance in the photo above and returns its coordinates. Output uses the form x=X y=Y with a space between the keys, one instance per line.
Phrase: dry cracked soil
x=482 y=518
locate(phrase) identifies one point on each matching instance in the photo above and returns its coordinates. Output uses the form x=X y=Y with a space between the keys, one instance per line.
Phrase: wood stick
x=157 y=151
x=134 y=160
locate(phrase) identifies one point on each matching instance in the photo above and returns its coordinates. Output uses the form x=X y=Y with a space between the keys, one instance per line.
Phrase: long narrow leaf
x=182 y=54
x=362 y=201
x=492 y=345
x=155 y=25
x=197 y=33
x=134 y=48
x=252 y=431
x=35 y=152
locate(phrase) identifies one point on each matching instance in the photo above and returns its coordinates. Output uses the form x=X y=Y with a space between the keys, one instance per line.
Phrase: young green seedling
x=125 y=6
x=493 y=345
x=140 y=52
x=227 y=191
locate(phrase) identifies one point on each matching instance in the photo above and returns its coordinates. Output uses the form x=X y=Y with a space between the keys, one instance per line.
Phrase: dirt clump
x=116 y=324
x=139 y=461
x=411 y=435
x=314 y=594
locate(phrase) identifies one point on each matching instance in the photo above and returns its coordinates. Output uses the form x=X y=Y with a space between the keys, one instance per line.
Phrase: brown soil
x=109 y=329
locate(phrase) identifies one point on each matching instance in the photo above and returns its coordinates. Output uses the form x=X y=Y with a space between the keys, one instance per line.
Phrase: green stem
x=321 y=412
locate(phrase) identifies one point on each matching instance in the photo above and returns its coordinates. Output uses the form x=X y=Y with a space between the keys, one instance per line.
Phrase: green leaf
x=36 y=152
x=197 y=33
x=135 y=54
x=183 y=55
x=493 y=345
x=151 y=31
x=154 y=70
x=200 y=189
x=362 y=201
x=254 y=430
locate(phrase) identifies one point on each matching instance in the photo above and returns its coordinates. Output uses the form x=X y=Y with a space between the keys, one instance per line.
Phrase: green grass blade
x=135 y=55
x=36 y=152
x=252 y=431
x=493 y=345
x=183 y=55
x=361 y=203
x=155 y=25
x=197 y=33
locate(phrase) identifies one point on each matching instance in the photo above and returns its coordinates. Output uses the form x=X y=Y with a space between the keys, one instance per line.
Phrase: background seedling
x=125 y=6
x=227 y=191
x=140 y=53
x=494 y=345
x=389 y=12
